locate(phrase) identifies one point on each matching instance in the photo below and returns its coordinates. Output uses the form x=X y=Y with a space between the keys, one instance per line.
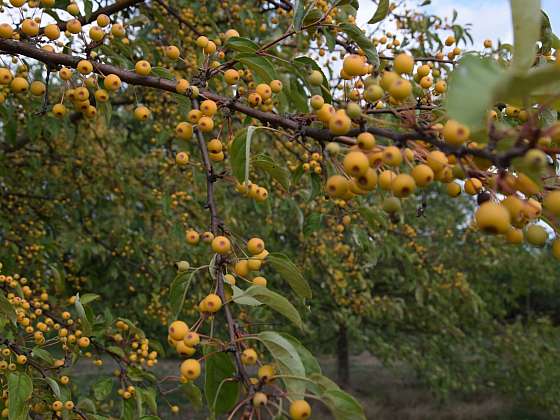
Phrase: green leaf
x=261 y=66
x=381 y=12
x=539 y=81
x=149 y=397
x=221 y=395
x=88 y=298
x=7 y=309
x=193 y=395
x=241 y=44
x=20 y=389
x=309 y=361
x=128 y=409
x=342 y=405
x=312 y=223
x=322 y=384
x=163 y=73
x=88 y=8
x=277 y=172
x=526 y=17
x=288 y=361
x=240 y=154
x=250 y=131
x=471 y=90
x=102 y=388
x=55 y=387
x=241 y=298
x=363 y=42
x=178 y=293
x=43 y=355
x=289 y=272
x=117 y=350
x=299 y=11
x=85 y=323
x=276 y=302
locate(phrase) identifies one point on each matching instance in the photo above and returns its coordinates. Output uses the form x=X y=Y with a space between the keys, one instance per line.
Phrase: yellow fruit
x=202 y=41
x=73 y=26
x=182 y=86
x=118 y=30
x=103 y=20
x=191 y=339
x=183 y=349
x=221 y=245
x=473 y=186
x=5 y=76
x=182 y=158
x=526 y=185
x=84 y=67
x=556 y=249
x=404 y=63
x=112 y=82
x=57 y=405
x=400 y=89
x=441 y=86
x=143 y=68
x=73 y=9
x=184 y=130
x=177 y=330
x=255 y=246
x=367 y=181
x=210 y=48
x=215 y=146
x=96 y=33
x=422 y=174
x=190 y=369
x=315 y=78
x=19 y=85
x=205 y=124
x=29 y=27
x=141 y=113
x=264 y=91
x=59 y=110
x=229 y=279
x=6 y=31
x=455 y=133
x=83 y=342
x=388 y=78
x=326 y=113
x=493 y=218
x=192 y=237
x=260 y=281
x=355 y=65
x=260 y=399
x=392 y=156
x=37 y=88
x=208 y=107
x=230 y=33
x=487 y=43
x=300 y=410
x=536 y=235
x=276 y=86
x=213 y=303
x=453 y=189
x=249 y=357
x=52 y=31
x=436 y=160
x=450 y=40
x=172 y=52
x=340 y=123
x=386 y=179
x=266 y=372
x=356 y=163
x=426 y=82
x=69 y=405
x=373 y=93
x=231 y=76
x=241 y=268
x=101 y=95
x=403 y=185
x=337 y=186
x=423 y=71
x=551 y=202
x=514 y=236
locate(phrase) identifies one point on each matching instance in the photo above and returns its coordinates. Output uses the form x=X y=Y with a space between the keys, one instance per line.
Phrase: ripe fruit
x=392 y=156
x=96 y=33
x=213 y=303
x=453 y=189
x=260 y=281
x=37 y=88
x=249 y=357
x=205 y=124
x=143 y=68
x=422 y=174
x=112 y=82
x=473 y=186
x=241 y=268
x=229 y=279
x=388 y=78
x=6 y=31
x=5 y=76
x=368 y=181
x=325 y=113
x=551 y=202
x=403 y=185
x=514 y=236
x=73 y=26
x=57 y=405
x=259 y=399
x=230 y=33
x=276 y=86
x=231 y=76
x=493 y=218
x=83 y=342
x=255 y=246
x=141 y=113
x=266 y=372
x=182 y=158
x=365 y=141
x=190 y=369
x=191 y=339
x=208 y=107
x=356 y=163
x=337 y=186
x=400 y=89
x=221 y=245
x=373 y=93
x=172 y=52
x=103 y=20
x=264 y=91
x=59 y=110
x=455 y=133
x=535 y=159
x=101 y=95
x=29 y=27
x=19 y=85
x=184 y=130
x=300 y=410
x=355 y=65
x=404 y=63
x=84 y=67
x=340 y=123
x=178 y=330
x=52 y=31
x=536 y=235
x=436 y=160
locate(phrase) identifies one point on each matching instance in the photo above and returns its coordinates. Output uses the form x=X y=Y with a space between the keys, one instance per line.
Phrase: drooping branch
x=501 y=160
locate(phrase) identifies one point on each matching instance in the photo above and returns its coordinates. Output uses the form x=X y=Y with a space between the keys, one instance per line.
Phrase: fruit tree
x=284 y=158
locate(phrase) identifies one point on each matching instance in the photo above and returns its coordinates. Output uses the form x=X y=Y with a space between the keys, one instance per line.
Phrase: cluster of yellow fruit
x=252 y=190
x=137 y=346
x=184 y=341
x=312 y=162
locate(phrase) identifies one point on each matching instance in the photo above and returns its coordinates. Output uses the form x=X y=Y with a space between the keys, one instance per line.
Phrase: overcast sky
x=490 y=18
